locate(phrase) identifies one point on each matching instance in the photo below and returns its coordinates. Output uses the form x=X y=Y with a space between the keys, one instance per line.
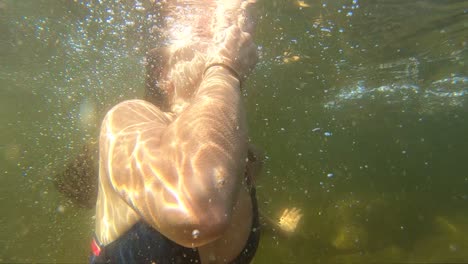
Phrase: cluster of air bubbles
x=441 y=94
x=349 y=10
x=139 y=6
x=326 y=26
x=109 y=31
x=84 y=57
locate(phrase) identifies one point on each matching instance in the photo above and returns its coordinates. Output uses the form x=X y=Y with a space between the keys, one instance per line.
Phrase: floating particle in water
x=61 y=209
x=328 y=134
x=302 y=4
x=453 y=247
x=316 y=129
x=292 y=58
x=330 y=175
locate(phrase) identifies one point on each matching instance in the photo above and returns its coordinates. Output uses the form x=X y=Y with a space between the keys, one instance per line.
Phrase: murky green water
x=361 y=108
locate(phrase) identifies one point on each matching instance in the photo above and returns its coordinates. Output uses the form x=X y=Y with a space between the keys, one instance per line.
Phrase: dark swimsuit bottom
x=144 y=244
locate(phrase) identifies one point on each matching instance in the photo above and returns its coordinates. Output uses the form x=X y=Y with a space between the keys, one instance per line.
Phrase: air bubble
x=195 y=233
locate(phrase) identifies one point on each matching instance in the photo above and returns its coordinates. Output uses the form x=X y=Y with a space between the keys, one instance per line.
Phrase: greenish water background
x=360 y=107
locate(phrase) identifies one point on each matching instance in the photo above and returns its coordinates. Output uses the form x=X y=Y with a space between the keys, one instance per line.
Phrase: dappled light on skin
x=373 y=111
x=165 y=181
x=140 y=136
x=182 y=168
x=192 y=30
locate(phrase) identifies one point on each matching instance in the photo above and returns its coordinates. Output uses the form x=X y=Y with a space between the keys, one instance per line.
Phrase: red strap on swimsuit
x=95 y=248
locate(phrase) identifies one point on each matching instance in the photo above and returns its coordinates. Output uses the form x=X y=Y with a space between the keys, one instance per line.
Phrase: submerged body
x=191 y=32
x=177 y=168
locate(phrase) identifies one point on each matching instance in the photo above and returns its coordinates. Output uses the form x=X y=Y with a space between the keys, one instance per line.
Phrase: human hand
x=236 y=49
x=289 y=220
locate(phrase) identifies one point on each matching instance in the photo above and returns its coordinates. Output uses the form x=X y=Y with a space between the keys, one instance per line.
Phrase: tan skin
x=183 y=172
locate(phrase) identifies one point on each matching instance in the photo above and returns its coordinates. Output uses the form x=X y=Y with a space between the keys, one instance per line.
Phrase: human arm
x=182 y=175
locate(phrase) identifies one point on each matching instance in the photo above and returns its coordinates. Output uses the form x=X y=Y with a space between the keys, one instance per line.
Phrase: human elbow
x=202 y=228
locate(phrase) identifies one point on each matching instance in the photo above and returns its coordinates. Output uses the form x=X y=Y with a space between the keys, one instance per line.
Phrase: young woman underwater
x=175 y=170
x=172 y=186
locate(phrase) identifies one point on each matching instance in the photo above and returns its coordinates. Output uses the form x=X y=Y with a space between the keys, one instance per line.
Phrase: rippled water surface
x=360 y=106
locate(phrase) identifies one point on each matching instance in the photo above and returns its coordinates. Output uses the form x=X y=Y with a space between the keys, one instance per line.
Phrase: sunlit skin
x=182 y=171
